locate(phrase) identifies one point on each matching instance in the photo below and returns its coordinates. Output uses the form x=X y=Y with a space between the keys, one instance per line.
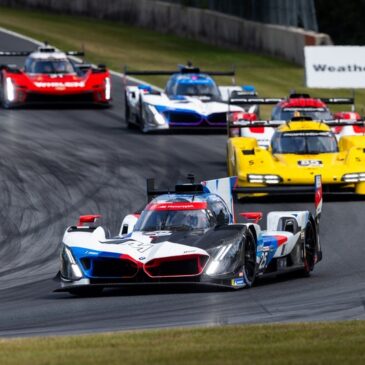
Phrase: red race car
x=52 y=76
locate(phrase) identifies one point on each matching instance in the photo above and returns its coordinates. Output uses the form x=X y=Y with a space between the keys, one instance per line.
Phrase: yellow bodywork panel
x=245 y=157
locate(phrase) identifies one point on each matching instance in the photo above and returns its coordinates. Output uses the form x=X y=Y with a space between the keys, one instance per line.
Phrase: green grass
x=118 y=44
x=312 y=343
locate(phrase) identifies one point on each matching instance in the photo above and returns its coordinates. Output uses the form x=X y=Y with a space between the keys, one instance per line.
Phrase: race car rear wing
x=188 y=188
x=241 y=124
x=15 y=53
x=183 y=70
x=240 y=97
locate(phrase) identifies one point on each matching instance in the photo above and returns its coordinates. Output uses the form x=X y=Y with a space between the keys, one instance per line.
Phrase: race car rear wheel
x=249 y=259
x=309 y=248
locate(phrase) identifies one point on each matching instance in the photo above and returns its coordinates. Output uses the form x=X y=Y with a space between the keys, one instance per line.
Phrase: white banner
x=335 y=66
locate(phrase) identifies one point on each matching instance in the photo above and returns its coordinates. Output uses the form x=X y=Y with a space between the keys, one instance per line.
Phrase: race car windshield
x=197 y=89
x=172 y=220
x=49 y=67
x=315 y=114
x=304 y=142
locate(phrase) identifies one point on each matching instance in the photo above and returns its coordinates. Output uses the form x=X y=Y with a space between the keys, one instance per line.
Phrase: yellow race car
x=298 y=150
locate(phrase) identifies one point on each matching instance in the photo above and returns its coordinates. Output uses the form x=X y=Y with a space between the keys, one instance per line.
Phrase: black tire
x=127 y=114
x=4 y=103
x=309 y=248
x=87 y=292
x=249 y=259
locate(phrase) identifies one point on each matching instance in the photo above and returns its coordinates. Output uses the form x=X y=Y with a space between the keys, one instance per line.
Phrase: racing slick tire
x=127 y=114
x=87 y=291
x=4 y=103
x=249 y=259
x=309 y=248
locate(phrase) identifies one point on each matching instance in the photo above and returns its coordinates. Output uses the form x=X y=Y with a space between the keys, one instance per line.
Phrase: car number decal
x=307 y=163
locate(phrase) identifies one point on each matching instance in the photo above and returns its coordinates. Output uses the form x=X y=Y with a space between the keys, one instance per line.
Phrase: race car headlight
x=157 y=117
x=69 y=268
x=10 y=89
x=107 y=88
x=263 y=179
x=355 y=177
x=224 y=258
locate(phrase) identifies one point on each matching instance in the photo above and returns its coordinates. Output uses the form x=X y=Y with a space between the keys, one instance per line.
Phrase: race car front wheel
x=4 y=102
x=249 y=259
x=127 y=113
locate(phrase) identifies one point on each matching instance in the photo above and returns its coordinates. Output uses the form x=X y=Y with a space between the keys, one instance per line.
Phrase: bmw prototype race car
x=52 y=76
x=191 y=99
x=189 y=236
x=297 y=151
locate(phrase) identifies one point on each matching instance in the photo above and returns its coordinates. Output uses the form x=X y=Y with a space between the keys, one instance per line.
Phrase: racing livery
x=298 y=150
x=293 y=106
x=52 y=76
x=191 y=99
x=189 y=236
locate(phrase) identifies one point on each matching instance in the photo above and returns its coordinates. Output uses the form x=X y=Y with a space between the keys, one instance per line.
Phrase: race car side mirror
x=255 y=216
x=88 y=219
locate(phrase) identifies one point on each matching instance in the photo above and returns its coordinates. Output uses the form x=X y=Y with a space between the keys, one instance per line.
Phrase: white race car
x=191 y=99
x=189 y=236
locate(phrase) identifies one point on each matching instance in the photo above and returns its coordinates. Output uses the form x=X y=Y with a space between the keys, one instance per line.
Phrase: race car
x=296 y=105
x=191 y=99
x=351 y=129
x=52 y=76
x=189 y=236
x=298 y=150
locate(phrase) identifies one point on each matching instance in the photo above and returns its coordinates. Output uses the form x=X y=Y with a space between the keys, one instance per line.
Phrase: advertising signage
x=335 y=66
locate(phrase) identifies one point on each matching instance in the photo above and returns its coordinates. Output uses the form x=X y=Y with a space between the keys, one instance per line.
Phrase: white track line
x=38 y=43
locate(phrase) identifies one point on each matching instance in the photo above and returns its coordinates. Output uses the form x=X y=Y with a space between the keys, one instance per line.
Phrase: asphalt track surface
x=56 y=164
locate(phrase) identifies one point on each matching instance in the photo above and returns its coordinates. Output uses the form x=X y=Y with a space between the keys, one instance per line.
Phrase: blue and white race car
x=192 y=99
x=189 y=236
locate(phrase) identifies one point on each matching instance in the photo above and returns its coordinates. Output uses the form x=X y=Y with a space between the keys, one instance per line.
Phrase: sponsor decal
x=177 y=206
x=310 y=163
x=335 y=66
x=263 y=259
x=238 y=282
x=142 y=258
x=139 y=246
x=62 y=85
x=340 y=68
x=307 y=134
x=157 y=234
x=296 y=109
x=91 y=253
